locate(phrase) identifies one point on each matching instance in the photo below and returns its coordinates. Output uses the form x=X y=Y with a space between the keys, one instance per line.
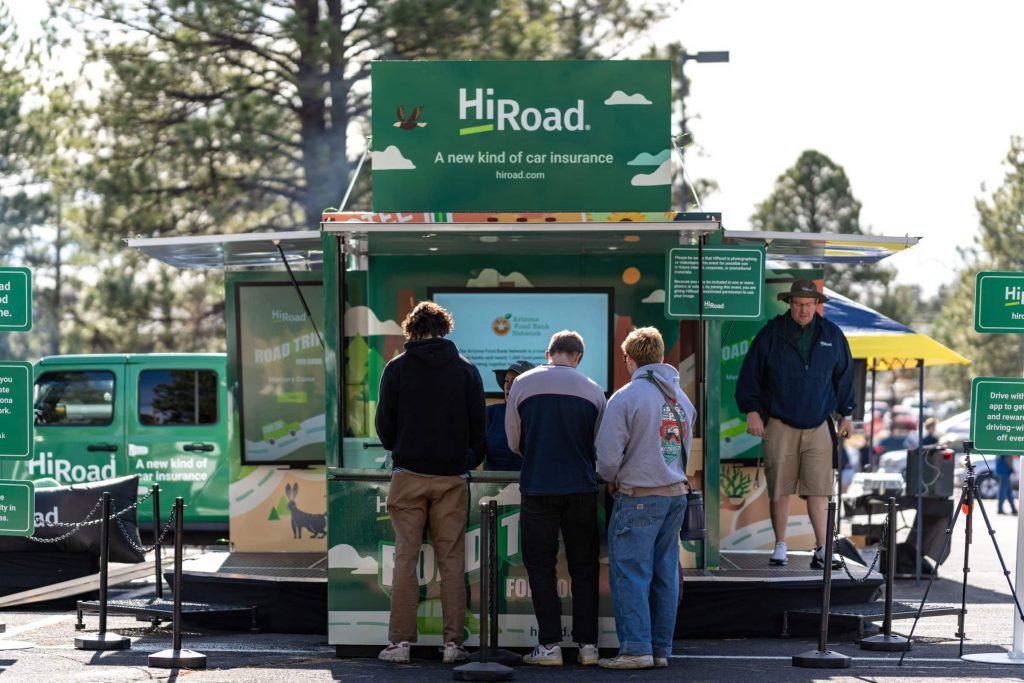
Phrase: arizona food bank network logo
x=502 y=325
x=519 y=326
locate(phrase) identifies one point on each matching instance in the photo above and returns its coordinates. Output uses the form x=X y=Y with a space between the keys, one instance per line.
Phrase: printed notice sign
x=730 y=284
x=15 y=300
x=15 y=410
x=17 y=508
x=999 y=302
x=997 y=414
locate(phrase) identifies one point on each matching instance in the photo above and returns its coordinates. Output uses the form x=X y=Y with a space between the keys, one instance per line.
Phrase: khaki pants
x=792 y=455
x=442 y=504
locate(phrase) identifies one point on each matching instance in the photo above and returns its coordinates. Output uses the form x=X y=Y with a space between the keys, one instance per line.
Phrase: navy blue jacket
x=552 y=418
x=775 y=382
x=495 y=446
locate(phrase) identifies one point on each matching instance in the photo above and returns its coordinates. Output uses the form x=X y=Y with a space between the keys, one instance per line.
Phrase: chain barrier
x=874 y=561
x=87 y=521
x=157 y=542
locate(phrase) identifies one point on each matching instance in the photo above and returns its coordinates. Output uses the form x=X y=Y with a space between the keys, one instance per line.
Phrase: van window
x=177 y=397
x=79 y=398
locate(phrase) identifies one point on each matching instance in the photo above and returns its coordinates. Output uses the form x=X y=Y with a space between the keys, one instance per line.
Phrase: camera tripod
x=968 y=497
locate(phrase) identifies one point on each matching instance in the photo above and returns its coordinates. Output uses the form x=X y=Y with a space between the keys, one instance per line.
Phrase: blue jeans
x=643 y=571
x=1006 y=492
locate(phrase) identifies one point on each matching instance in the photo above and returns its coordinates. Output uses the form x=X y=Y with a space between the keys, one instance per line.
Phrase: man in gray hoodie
x=642 y=447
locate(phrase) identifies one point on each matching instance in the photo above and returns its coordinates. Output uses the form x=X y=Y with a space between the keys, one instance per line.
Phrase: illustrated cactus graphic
x=735 y=484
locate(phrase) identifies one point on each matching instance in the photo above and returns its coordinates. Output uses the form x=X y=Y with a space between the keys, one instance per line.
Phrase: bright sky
x=916 y=100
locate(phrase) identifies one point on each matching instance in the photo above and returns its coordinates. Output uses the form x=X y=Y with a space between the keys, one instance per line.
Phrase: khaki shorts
x=794 y=455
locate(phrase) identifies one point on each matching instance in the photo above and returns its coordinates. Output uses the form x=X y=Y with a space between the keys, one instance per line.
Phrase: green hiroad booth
x=525 y=197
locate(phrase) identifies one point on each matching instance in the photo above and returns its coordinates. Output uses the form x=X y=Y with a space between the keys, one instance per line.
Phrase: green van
x=163 y=417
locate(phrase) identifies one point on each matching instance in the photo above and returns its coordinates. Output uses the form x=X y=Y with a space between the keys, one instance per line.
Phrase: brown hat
x=805 y=289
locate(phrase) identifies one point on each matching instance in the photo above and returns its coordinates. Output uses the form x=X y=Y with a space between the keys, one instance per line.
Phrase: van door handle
x=109 y=447
x=192 y=447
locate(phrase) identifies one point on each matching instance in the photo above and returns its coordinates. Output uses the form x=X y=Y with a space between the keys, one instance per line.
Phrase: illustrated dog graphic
x=317 y=524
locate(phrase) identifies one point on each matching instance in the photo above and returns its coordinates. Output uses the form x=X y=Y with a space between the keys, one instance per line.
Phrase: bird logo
x=409 y=123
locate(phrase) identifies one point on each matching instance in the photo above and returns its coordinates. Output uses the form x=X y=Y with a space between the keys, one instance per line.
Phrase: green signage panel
x=518 y=136
x=732 y=282
x=17 y=508
x=15 y=410
x=997 y=414
x=281 y=373
x=999 y=302
x=15 y=299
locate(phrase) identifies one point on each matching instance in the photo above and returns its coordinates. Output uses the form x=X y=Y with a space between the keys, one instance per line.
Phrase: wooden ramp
x=117 y=574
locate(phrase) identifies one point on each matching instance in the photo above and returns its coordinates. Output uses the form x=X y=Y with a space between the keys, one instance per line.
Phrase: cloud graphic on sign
x=344 y=556
x=655 y=297
x=489 y=277
x=507 y=496
x=363 y=321
x=391 y=159
x=619 y=97
x=662 y=176
x=645 y=159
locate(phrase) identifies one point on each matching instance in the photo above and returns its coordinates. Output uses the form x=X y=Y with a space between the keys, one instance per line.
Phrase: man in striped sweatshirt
x=552 y=418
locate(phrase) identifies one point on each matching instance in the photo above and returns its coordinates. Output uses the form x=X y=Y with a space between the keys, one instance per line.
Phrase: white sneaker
x=778 y=557
x=395 y=652
x=544 y=656
x=628 y=662
x=588 y=654
x=660 y=662
x=818 y=559
x=454 y=653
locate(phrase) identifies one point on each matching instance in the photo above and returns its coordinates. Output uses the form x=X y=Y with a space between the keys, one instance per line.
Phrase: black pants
x=575 y=514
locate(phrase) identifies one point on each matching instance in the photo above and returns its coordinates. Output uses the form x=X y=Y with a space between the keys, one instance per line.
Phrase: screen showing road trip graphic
x=280 y=373
x=496 y=327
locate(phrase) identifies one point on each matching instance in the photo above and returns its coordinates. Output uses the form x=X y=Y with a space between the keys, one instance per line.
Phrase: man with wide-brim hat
x=802 y=289
x=796 y=375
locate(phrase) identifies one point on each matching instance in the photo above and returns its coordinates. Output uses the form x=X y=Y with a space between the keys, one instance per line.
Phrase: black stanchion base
x=818 y=659
x=177 y=659
x=102 y=641
x=884 y=643
x=496 y=654
x=486 y=671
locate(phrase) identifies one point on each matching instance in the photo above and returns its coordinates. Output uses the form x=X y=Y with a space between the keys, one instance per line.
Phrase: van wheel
x=988 y=486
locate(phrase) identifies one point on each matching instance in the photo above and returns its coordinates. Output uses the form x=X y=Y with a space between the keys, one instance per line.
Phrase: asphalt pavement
x=272 y=657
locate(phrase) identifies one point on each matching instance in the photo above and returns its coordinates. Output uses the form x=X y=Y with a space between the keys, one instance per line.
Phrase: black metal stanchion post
x=483 y=670
x=156 y=543
x=176 y=658
x=886 y=641
x=823 y=658
x=103 y=640
x=495 y=653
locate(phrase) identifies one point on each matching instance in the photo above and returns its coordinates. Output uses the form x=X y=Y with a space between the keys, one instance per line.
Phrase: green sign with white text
x=999 y=302
x=15 y=410
x=15 y=299
x=522 y=136
x=730 y=283
x=997 y=415
x=17 y=508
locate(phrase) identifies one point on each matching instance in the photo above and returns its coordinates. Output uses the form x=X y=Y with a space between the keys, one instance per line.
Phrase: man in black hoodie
x=430 y=411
